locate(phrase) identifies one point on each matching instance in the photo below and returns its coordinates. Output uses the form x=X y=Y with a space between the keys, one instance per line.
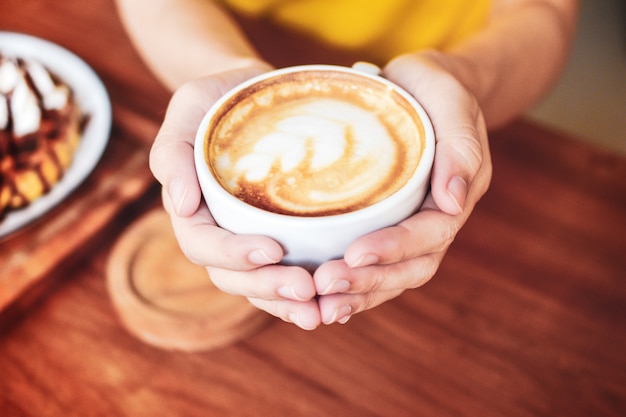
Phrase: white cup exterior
x=311 y=241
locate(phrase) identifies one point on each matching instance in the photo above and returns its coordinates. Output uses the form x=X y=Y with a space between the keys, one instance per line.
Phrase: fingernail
x=335 y=287
x=290 y=293
x=295 y=319
x=341 y=315
x=177 y=192
x=260 y=257
x=457 y=189
x=365 y=260
x=344 y=320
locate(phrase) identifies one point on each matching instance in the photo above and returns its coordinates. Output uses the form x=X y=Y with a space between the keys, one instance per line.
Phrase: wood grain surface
x=526 y=316
x=28 y=258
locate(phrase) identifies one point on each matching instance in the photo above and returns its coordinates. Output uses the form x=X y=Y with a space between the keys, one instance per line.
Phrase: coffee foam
x=313 y=144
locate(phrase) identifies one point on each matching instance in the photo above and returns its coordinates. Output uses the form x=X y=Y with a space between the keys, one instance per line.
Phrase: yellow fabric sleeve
x=390 y=27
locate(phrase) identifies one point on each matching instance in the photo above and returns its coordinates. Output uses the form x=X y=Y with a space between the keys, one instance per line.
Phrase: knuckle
x=443 y=234
x=159 y=155
x=466 y=143
x=449 y=230
x=190 y=254
x=423 y=273
x=369 y=300
x=153 y=159
x=371 y=280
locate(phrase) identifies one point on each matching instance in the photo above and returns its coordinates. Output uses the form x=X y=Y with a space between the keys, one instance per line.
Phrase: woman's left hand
x=381 y=265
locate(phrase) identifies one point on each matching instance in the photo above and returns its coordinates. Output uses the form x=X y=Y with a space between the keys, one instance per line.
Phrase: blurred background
x=590 y=99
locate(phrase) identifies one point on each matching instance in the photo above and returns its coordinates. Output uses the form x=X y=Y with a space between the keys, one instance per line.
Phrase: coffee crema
x=314 y=143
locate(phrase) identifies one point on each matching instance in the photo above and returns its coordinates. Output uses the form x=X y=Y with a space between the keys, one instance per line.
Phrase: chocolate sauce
x=24 y=154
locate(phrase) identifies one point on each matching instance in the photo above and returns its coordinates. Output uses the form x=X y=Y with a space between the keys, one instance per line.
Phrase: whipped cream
x=54 y=97
x=26 y=90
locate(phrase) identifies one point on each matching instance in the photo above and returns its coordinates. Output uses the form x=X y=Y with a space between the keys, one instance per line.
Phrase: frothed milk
x=314 y=143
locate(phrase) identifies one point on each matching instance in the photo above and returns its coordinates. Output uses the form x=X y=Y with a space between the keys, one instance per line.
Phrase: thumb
x=171 y=156
x=461 y=150
x=458 y=159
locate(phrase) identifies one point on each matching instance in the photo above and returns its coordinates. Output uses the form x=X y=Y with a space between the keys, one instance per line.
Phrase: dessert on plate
x=40 y=127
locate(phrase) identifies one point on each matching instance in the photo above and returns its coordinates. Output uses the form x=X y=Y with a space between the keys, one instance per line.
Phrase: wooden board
x=31 y=256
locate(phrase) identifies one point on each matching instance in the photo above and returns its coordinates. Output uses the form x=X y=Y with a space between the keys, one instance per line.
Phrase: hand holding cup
x=377 y=266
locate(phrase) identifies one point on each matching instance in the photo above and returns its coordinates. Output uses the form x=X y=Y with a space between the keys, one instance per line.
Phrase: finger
x=180 y=183
x=426 y=232
x=462 y=147
x=205 y=243
x=273 y=282
x=339 y=308
x=171 y=156
x=305 y=315
x=337 y=277
x=460 y=156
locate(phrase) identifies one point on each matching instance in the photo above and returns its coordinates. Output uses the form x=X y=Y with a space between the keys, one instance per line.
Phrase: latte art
x=312 y=137
x=315 y=147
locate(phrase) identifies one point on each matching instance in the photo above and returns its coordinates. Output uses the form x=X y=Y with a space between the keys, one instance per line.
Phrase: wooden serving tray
x=38 y=256
x=121 y=180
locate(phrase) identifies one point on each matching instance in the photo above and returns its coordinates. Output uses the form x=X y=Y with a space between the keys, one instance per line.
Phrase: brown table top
x=526 y=316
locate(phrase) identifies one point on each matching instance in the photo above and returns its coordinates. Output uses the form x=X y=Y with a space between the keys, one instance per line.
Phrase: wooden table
x=526 y=316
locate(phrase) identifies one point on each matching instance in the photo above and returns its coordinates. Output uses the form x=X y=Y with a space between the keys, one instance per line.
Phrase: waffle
x=40 y=127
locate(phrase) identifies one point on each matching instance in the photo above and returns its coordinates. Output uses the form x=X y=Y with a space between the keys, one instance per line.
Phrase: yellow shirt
x=389 y=27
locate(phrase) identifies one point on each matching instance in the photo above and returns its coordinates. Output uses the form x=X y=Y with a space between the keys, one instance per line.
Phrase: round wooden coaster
x=168 y=302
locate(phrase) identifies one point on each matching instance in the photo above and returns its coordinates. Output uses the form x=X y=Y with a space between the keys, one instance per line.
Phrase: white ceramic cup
x=311 y=241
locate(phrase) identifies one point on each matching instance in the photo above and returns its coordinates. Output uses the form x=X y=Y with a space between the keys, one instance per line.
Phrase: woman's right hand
x=237 y=264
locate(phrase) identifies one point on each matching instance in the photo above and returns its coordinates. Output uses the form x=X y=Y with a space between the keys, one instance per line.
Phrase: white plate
x=94 y=103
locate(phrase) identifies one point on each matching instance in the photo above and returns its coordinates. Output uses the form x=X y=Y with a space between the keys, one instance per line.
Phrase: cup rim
x=417 y=179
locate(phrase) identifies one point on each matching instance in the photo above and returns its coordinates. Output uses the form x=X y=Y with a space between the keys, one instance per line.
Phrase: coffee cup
x=314 y=156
